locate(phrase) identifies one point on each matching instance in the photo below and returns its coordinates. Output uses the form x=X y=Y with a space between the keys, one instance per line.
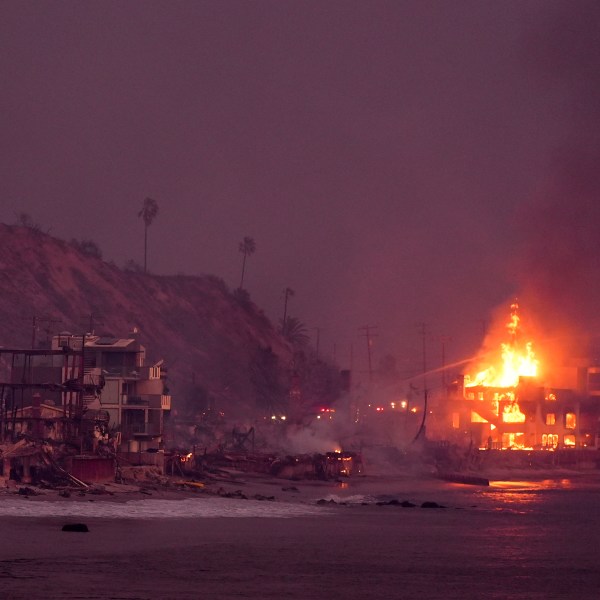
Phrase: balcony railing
x=152 y=401
x=138 y=400
x=121 y=372
x=142 y=429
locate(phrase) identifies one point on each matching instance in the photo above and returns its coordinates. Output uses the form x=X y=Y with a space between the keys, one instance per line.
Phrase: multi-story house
x=134 y=398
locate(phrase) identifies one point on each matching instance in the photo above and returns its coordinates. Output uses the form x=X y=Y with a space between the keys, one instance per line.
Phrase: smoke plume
x=559 y=265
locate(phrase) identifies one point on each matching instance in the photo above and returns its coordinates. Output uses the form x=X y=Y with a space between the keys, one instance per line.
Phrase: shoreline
x=251 y=486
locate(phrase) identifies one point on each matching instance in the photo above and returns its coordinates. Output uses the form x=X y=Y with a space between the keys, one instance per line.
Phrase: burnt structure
x=77 y=405
x=42 y=394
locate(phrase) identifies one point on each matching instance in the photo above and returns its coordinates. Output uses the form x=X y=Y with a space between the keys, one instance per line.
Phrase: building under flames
x=509 y=407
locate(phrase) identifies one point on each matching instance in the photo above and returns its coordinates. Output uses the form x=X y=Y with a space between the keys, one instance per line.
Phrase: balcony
x=137 y=401
x=141 y=430
x=151 y=401
x=121 y=372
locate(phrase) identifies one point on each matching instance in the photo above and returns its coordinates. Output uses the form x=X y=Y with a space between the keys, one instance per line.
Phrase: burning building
x=507 y=405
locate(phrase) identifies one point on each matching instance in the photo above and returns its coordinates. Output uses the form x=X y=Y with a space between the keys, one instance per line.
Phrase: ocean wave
x=156 y=509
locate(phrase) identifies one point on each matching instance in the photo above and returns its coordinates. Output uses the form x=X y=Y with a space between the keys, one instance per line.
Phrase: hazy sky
x=381 y=154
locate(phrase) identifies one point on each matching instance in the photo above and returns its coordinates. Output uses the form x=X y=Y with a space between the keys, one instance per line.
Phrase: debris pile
x=332 y=465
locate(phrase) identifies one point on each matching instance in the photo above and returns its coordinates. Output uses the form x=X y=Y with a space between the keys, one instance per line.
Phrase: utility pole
x=369 y=337
x=443 y=339
x=286 y=294
x=33 y=330
x=318 y=330
x=36 y=321
x=93 y=320
x=423 y=328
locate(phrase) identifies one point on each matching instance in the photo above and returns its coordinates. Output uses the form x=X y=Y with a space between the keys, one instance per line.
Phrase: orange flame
x=517 y=359
x=511 y=413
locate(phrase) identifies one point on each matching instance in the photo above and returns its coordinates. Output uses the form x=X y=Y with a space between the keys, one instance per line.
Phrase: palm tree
x=286 y=294
x=148 y=213
x=247 y=248
x=295 y=331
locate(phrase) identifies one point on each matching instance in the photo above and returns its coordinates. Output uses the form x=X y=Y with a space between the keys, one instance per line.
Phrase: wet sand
x=516 y=540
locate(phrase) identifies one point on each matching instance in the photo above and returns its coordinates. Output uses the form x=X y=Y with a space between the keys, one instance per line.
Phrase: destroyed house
x=40 y=394
x=39 y=421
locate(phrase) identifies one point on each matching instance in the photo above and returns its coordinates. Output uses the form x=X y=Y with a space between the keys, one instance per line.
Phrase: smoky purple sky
x=379 y=153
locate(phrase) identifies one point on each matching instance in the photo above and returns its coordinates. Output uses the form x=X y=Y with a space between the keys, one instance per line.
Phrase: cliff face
x=218 y=346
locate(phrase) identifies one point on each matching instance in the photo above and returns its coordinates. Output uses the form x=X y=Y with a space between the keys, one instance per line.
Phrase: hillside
x=218 y=346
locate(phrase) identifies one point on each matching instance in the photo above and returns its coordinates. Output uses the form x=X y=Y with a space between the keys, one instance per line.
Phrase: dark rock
x=431 y=505
x=236 y=494
x=396 y=502
x=290 y=489
x=77 y=527
x=26 y=491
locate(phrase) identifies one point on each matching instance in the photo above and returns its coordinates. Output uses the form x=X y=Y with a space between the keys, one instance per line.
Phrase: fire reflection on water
x=515 y=494
x=544 y=484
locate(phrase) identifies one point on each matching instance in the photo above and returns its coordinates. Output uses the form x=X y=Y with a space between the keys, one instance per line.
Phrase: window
x=477 y=418
x=570 y=420
x=550 y=419
x=569 y=440
x=550 y=440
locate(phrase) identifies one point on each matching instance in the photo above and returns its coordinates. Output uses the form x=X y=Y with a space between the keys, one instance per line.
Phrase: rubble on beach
x=32 y=469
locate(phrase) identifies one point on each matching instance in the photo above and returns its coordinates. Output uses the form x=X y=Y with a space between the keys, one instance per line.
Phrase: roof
x=107 y=343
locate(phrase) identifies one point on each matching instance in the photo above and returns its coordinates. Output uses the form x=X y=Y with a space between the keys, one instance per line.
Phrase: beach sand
x=522 y=539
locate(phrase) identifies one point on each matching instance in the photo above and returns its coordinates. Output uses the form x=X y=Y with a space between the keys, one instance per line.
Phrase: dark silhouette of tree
x=247 y=247
x=320 y=380
x=87 y=247
x=148 y=214
x=287 y=293
x=25 y=220
x=295 y=331
x=268 y=381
